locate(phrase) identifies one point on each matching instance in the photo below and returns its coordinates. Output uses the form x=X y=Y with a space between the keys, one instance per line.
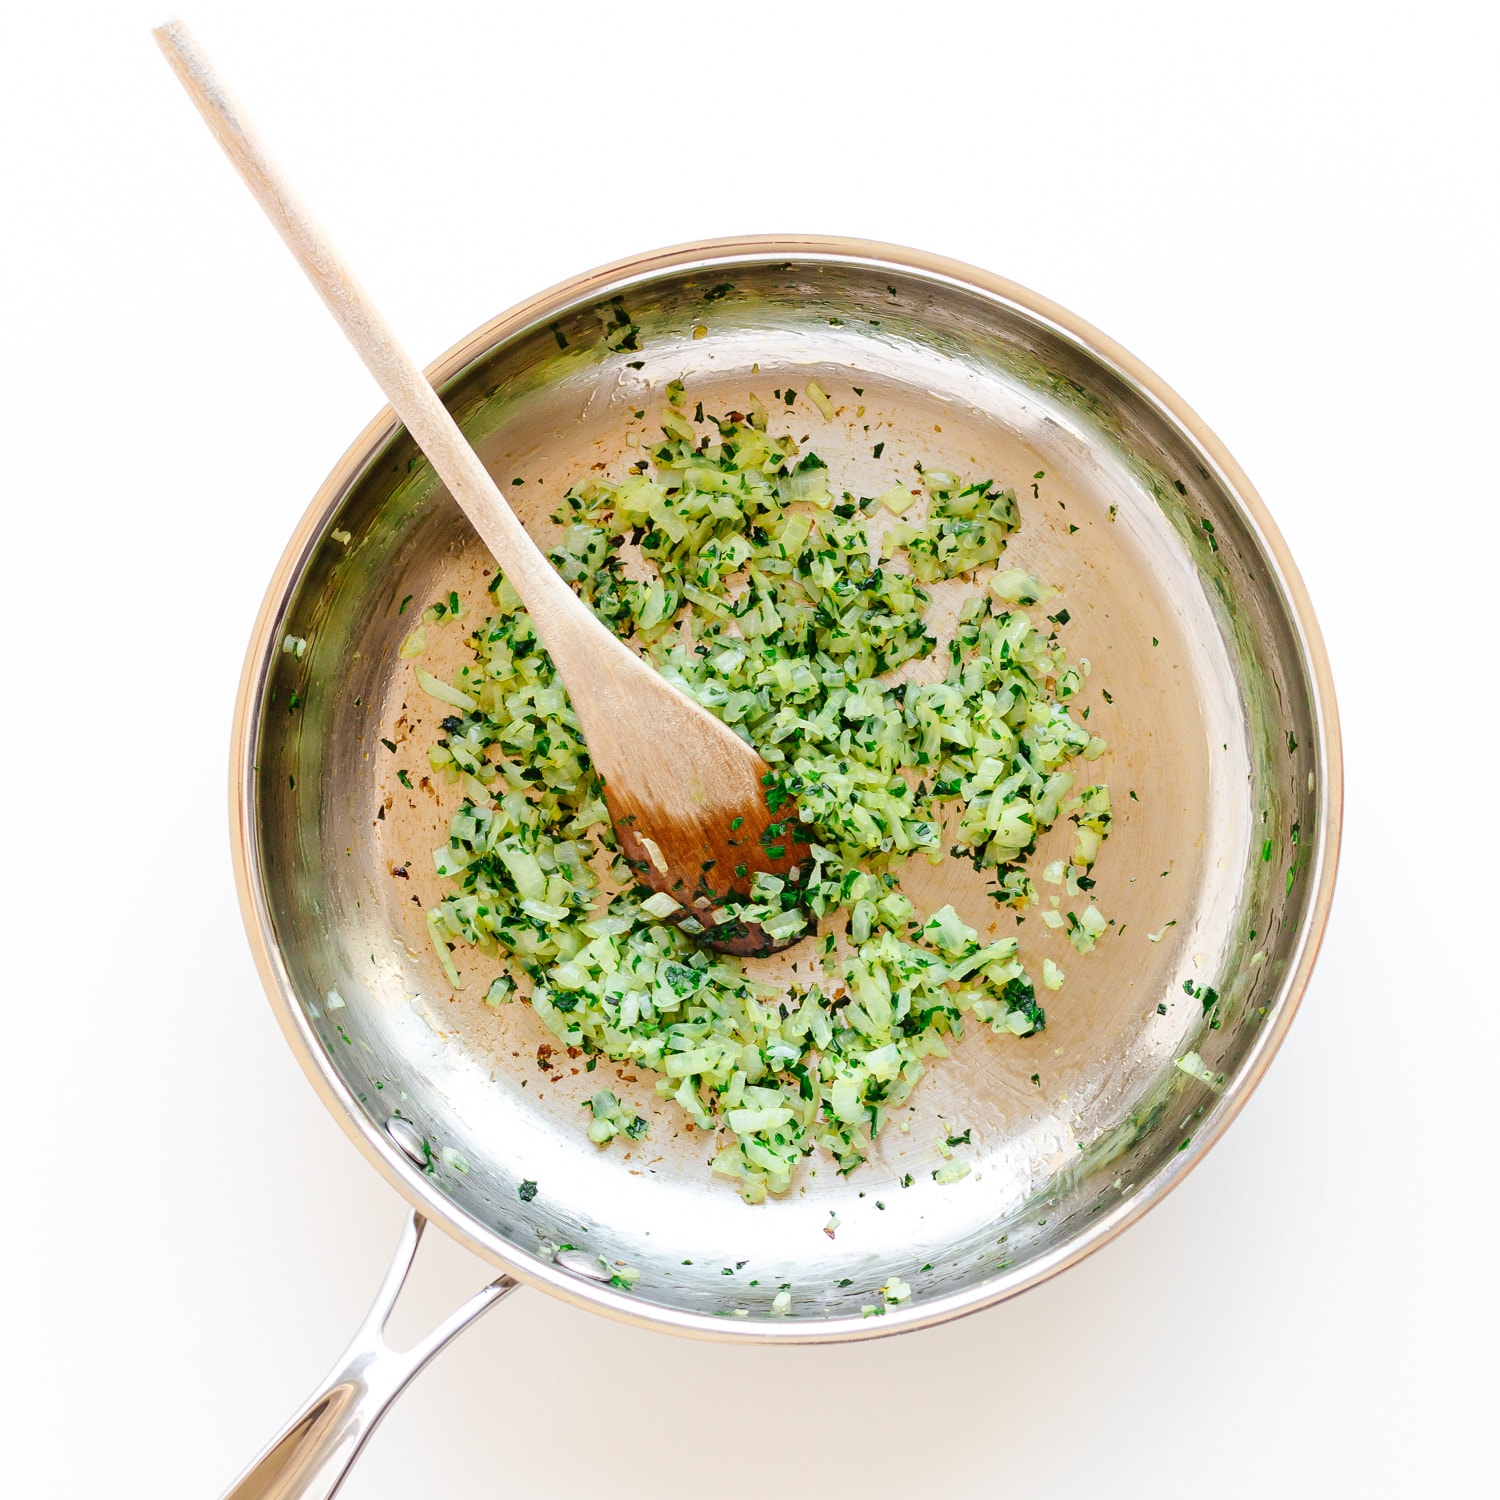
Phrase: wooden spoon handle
x=410 y=393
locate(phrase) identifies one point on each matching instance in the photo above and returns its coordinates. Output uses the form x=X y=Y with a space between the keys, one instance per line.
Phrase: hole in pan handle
x=309 y=1457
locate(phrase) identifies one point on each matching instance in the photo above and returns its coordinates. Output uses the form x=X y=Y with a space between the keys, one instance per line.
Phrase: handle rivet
x=581 y=1263
x=408 y=1138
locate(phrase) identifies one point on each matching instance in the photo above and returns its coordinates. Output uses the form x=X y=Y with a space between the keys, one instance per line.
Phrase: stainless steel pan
x=1218 y=873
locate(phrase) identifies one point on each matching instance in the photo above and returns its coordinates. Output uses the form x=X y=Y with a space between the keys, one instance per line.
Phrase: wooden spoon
x=685 y=793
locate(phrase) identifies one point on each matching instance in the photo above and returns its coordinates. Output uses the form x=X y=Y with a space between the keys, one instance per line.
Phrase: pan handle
x=309 y=1457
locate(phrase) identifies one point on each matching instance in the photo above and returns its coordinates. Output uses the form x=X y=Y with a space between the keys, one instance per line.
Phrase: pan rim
x=386 y=1157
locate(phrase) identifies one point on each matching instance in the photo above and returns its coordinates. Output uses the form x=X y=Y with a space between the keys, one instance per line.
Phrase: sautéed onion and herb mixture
x=751 y=581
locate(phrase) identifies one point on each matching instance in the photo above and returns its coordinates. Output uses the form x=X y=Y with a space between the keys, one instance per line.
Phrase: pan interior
x=1171 y=596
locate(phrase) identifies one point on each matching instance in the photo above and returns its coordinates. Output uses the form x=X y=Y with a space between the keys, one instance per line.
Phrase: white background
x=1286 y=210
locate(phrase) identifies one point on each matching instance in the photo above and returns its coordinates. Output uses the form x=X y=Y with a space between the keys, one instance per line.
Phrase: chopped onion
x=435 y=688
x=1018 y=587
x=1194 y=1066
